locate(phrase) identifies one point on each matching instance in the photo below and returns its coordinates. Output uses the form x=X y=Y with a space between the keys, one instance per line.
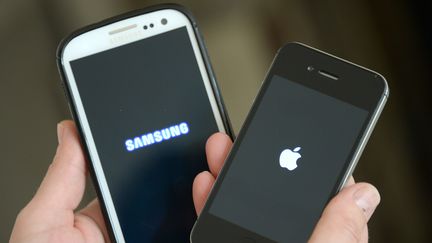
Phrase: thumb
x=64 y=183
x=345 y=217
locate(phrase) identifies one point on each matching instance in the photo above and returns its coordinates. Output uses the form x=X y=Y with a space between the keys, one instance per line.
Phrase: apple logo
x=288 y=158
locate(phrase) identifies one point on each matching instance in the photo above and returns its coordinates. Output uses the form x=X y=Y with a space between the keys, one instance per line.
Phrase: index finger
x=217 y=148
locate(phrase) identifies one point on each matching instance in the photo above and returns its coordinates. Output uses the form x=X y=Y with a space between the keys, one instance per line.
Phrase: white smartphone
x=145 y=100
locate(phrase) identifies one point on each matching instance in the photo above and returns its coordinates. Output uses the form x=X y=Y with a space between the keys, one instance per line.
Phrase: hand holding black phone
x=297 y=148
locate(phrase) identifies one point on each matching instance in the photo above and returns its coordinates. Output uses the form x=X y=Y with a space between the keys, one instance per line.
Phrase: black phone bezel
x=71 y=103
x=292 y=62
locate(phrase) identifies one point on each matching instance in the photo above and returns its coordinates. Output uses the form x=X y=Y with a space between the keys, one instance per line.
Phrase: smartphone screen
x=266 y=192
x=299 y=143
x=150 y=116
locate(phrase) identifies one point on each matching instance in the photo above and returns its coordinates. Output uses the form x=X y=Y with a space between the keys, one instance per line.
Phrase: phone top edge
x=386 y=90
x=65 y=41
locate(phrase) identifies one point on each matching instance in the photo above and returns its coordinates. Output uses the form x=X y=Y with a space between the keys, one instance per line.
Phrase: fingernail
x=59 y=132
x=367 y=198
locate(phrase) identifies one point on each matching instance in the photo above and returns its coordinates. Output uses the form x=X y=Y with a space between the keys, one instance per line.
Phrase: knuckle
x=23 y=213
x=22 y=217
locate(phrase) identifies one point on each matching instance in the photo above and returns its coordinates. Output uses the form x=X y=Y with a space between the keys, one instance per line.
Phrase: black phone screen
x=287 y=160
x=150 y=116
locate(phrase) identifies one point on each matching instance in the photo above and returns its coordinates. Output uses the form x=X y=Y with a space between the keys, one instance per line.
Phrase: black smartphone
x=145 y=100
x=298 y=146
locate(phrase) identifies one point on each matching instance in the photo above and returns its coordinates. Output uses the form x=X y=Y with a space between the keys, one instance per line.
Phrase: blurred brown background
x=391 y=37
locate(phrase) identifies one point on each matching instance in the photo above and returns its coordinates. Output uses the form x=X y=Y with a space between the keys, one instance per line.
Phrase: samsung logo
x=157 y=136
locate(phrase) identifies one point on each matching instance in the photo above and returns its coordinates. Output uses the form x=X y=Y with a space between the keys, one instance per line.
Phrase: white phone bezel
x=111 y=36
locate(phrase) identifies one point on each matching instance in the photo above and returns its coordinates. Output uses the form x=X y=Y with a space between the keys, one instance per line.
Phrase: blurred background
x=391 y=37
